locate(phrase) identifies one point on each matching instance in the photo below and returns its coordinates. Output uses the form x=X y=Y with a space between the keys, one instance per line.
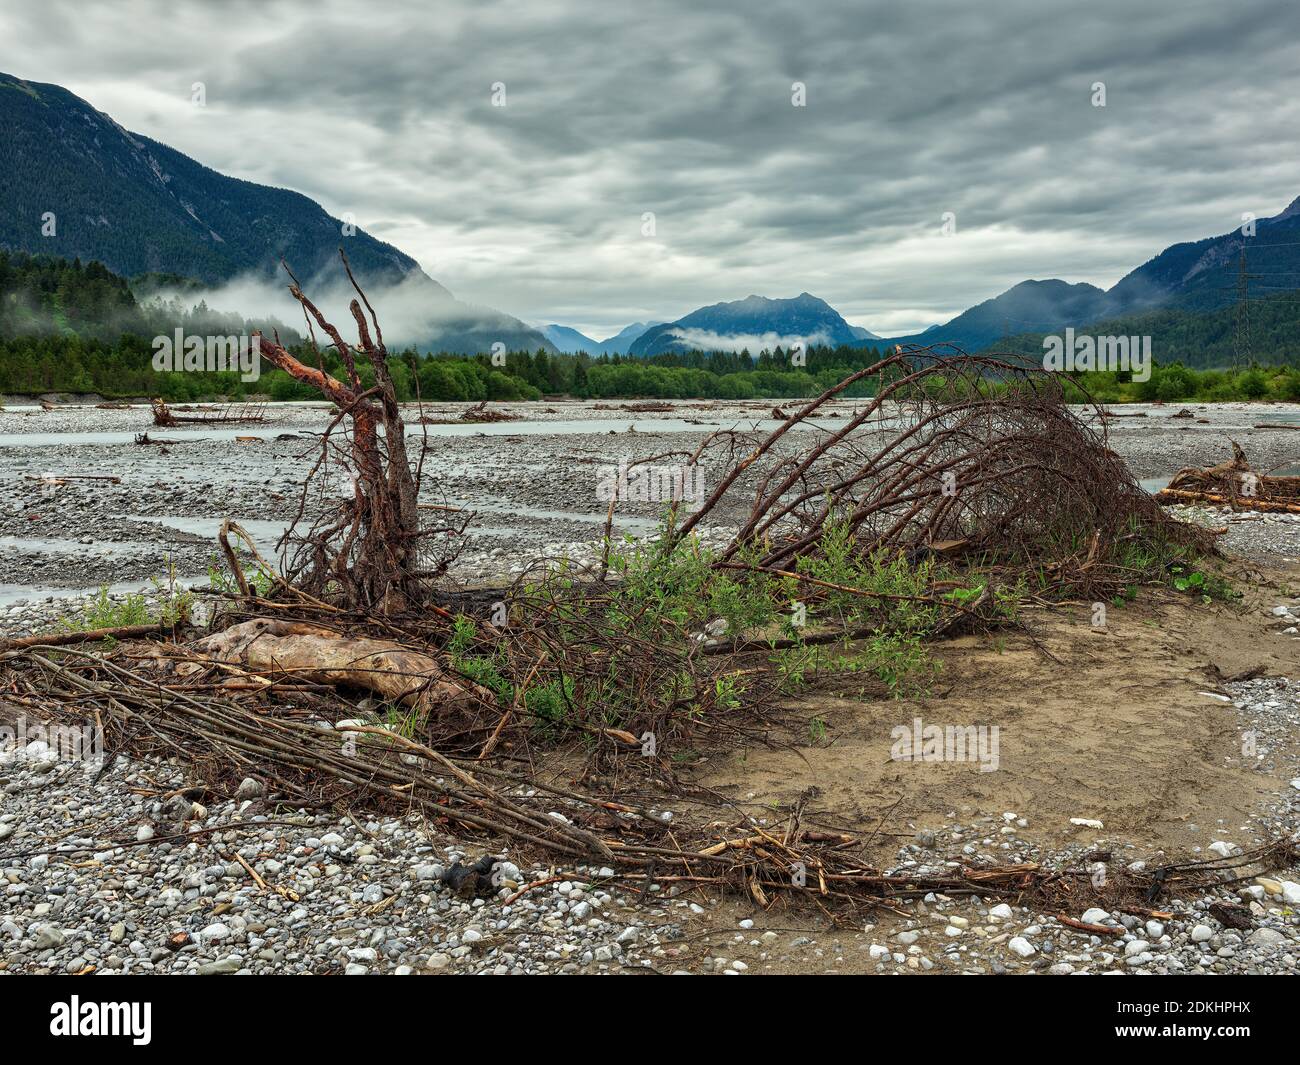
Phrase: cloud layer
x=683 y=112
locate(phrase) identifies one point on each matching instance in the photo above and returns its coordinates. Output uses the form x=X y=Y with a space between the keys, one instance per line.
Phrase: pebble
x=1021 y=946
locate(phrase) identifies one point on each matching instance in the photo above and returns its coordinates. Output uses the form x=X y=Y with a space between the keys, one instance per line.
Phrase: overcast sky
x=684 y=109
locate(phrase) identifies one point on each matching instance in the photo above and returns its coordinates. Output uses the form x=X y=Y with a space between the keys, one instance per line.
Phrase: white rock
x=1201 y=933
x=1001 y=912
x=877 y=951
x=248 y=789
x=1136 y=947
x=1268 y=938
x=1086 y=822
x=1021 y=946
x=1096 y=915
x=1222 y=849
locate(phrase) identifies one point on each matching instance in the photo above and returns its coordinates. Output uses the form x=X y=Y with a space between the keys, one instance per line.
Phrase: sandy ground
x=1128 y=725
x=1107 y=724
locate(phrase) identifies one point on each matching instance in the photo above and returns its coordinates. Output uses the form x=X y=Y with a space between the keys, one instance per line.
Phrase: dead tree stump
x=365 y=553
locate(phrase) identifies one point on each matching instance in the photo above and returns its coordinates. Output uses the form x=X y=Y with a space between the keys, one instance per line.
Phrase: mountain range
x=753 y=323
x=76 y=184
x=1198 y=276
x=570 y=341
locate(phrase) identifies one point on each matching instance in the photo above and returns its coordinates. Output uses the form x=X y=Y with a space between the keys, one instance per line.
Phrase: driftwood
x=796 y=856
x=970 y=458
x=168 y=418
x=395 y=673
x=1233 y=483
x=481 y=413
x=64 y=478
x=61 y=639
x=1266 y=506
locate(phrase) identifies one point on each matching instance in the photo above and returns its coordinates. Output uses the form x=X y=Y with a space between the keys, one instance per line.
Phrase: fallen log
x=1182 y=495
x=60 y=639
x=307 y=652
x=64 y=478
x=167 y=418
x=481 y=413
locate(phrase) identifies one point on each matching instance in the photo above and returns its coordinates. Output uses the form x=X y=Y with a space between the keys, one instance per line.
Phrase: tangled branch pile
x=969 y=456
x=963 y=484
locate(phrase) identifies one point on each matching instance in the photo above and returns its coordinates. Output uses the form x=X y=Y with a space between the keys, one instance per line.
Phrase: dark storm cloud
x=684 y=110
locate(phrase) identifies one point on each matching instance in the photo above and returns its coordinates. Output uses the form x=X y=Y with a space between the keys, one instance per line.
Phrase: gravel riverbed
x=119 y=870
x=533 y=483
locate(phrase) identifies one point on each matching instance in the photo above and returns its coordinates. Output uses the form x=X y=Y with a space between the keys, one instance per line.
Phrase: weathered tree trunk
x=395 y=673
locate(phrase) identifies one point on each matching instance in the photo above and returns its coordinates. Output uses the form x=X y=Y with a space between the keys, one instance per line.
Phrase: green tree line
x=66 y=326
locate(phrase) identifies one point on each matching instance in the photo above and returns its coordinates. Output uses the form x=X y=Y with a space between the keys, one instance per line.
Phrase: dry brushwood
x=481 y=413
x=971 y=459
x=166 y=417
x=970 y=456
x=225 y=738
